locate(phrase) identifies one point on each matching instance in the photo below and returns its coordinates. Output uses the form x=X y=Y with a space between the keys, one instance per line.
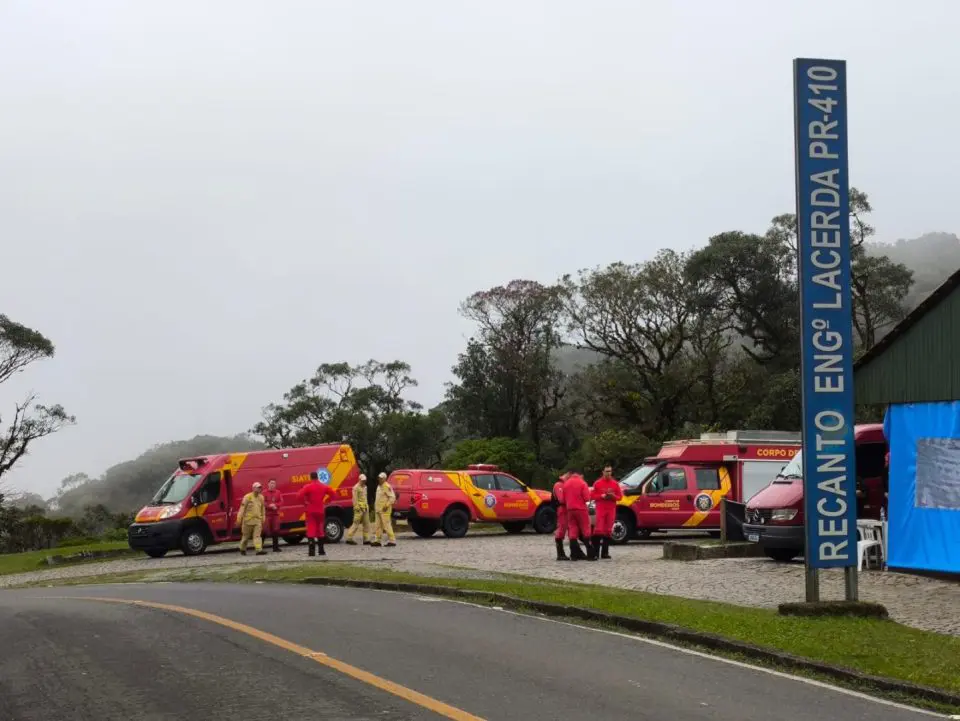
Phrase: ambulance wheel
x=545 y=519
x=156 y=552
x=624 y=527
x=333 y=528
x=423 y=527
x=455 y=523
x=781 y=555
x=193 y=542
x=514 y=526
x=292 y=540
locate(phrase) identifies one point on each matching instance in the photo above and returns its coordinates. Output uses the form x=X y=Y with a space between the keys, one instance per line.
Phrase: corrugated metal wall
x=922 y=365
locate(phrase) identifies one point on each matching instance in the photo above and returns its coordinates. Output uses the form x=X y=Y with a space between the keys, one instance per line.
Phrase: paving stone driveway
x=921 y=602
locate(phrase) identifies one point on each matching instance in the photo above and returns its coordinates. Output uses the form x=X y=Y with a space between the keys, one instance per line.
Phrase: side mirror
x=194 y=500
x=632 y=492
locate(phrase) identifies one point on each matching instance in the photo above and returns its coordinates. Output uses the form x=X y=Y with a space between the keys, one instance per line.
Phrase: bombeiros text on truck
x=197 y=505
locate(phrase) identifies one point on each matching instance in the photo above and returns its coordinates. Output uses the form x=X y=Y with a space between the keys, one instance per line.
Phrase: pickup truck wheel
x=292 y=540
x=514 y=526
x=624 y=527
x=333 y=529
x=423 y=528
x=545 y=519
x=781 y=555
x=193 y=542
x=455 y=523
x=156 y=552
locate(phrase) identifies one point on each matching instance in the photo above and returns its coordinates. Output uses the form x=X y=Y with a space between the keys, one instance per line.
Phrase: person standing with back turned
x=561 y=531
x=605 y=493
x=383 y=508
x=576 y=494
x=314 y=496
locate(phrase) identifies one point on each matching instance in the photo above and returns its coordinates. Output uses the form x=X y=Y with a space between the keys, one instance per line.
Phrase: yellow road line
x=408 y=694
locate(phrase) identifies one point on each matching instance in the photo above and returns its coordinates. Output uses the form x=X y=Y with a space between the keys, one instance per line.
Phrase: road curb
x=665 y=631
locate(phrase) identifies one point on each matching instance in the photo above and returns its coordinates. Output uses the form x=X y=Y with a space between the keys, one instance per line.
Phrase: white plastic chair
x=868 y=539
x=883 y=538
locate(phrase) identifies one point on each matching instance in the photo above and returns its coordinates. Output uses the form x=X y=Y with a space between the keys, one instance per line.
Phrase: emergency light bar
x=483 y=467
x=191 y=464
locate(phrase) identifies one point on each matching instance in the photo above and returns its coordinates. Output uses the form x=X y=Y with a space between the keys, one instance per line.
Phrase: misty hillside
x=933 y=257
x=129 y=485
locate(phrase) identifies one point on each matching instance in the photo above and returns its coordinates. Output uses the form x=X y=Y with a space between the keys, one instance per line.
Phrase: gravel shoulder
x=924 y=603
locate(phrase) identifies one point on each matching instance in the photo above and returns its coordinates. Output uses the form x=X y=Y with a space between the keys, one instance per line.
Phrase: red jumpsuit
x=314 y=496
x=561 y=531
x=576 y=493
x=606 y=507
x=272 y=501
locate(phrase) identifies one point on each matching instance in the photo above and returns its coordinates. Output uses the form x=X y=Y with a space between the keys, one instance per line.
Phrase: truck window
x=210 y=490
x=871 y=460
x=757 y=475
x=673 y=479
x=485 y=482
x=708 y=479
x=506 y=483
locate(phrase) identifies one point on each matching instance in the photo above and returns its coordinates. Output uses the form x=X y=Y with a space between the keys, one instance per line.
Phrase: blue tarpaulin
x=924 y=502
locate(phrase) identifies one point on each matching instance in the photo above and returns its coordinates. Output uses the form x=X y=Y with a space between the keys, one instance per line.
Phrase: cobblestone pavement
x=921 y=602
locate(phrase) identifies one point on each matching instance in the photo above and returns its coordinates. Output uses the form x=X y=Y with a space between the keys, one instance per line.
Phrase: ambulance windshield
x=176 y=488
x=792 y=471
x=637 y=476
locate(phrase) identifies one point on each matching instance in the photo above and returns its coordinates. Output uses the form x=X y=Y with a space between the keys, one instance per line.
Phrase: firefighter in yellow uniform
x=250 y=519
x=361 y=512
x=383 y=508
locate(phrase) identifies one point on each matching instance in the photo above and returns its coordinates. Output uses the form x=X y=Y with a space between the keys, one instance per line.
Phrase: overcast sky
x=202 y=201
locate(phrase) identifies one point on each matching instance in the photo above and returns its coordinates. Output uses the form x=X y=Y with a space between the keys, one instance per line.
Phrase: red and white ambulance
x=681 y=487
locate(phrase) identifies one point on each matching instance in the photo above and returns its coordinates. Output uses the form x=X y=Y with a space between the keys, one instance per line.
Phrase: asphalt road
x=67 y=658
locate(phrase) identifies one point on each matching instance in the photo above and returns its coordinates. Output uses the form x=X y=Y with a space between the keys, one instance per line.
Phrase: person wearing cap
x=250 y=519
x=561 y=531
x=361 y=512
x=273 y=498
x=383 y=509
x=314 y=496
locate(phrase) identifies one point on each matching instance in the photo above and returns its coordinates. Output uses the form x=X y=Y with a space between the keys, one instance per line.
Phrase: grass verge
x=870 y=646
x=36 y=560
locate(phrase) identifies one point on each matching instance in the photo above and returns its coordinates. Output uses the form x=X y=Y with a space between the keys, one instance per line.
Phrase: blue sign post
x=826 y=319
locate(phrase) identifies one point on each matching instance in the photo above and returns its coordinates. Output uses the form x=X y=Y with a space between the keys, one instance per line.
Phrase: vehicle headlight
x=783 y=514
x=168 y=512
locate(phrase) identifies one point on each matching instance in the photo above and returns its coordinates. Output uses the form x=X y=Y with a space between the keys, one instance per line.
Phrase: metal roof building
x=919 y=360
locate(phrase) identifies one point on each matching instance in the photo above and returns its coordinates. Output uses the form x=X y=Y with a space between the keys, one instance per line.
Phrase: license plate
x=753 y=537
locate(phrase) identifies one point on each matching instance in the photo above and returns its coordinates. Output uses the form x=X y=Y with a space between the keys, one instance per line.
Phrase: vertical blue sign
x=826 y=315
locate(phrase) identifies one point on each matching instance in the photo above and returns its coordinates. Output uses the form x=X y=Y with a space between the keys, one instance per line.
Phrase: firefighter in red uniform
x=272 y=499
x=561 y=531
x=576 y=494
x=314 y=496
x=605 y=494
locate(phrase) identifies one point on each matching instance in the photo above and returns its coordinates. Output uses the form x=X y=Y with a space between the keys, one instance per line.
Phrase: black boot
x=276 y=544
x=311 y=548
x=593 y=548
x=576 y=553
x=605 y=547
x=320 y=551
x=561 y=554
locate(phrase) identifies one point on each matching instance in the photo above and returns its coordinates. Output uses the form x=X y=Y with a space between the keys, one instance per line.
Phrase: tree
x=362 y=405
x=642 y=318
x=512 y=455
x=508 y=384
x=19 y=347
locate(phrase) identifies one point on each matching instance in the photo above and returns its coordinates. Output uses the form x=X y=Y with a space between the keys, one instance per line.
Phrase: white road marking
x=701 y=654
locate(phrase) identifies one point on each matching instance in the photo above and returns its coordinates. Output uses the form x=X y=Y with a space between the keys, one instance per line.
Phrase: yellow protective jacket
x=360 y=496
x=385 y=498
x=252 y=509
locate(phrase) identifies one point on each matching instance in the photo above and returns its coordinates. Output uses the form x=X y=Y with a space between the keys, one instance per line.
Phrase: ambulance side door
x=485 y=495
x=212 y=497
x=514 y=503
x=707 y=495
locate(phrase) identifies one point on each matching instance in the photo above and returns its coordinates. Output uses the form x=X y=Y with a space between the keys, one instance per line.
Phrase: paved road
x=84 y=659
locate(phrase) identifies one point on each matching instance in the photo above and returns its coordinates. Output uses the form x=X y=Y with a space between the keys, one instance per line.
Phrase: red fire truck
x=681 y=487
